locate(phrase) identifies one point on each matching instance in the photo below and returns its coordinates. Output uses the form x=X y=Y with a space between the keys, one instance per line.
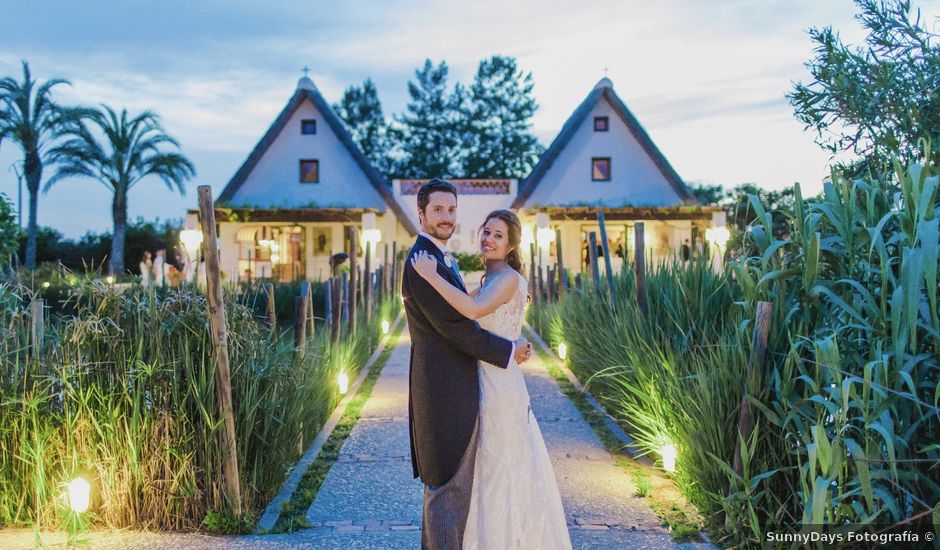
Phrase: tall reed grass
x=123 y=393
x=847 y=428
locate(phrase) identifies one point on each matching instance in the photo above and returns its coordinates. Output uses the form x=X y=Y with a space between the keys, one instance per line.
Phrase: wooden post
x=300 y=317
x=394 y=273
x=385 y=280
x=368 y=295
x=328 y=291
x=353 y=277
x=561 y=264
x=592 y=254
x=310 y=313
x=300 y=324
x=272 y=312
x=37 y=327
x=550 y=287
x=611 y=293
x=754 y=375
x=541 y=282
x=344 y=292
x=533 y=277
x=639 y=264
x=219 y=333
x=337 y=306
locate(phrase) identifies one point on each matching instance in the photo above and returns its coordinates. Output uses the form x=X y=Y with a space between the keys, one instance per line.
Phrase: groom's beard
x=442 y=232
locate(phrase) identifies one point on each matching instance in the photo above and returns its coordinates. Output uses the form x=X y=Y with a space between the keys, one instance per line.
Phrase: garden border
x=273 y=510
x=611 y=424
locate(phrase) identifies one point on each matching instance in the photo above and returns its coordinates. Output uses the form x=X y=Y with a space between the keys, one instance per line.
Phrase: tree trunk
x=119 y=214
x=33 y=172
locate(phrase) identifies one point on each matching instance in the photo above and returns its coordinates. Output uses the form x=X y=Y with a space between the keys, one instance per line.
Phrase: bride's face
x=494 y=240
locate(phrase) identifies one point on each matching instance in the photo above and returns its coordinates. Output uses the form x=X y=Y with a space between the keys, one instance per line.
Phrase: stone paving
x=369 y=499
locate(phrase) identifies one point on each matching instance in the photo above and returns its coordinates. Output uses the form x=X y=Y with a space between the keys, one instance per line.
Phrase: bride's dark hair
x=513 y=257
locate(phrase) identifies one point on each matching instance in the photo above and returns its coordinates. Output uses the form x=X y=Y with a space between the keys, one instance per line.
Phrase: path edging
x=273 y=510
x=630 y=445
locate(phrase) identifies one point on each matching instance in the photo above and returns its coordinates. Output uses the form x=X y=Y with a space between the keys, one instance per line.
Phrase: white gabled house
x=289 y=206
x=604 y=160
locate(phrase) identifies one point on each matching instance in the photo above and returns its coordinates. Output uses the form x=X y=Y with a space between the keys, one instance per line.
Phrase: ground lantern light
x=385 y=326
x=563 y=350
x=343 y=381
x=668 y=452
x=79 y=494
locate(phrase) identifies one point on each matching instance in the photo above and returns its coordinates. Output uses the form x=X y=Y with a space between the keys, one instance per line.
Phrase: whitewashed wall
x=635 y=178
x=275 y=180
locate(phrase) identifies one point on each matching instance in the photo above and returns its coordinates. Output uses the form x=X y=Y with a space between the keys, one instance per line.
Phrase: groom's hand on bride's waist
x=523 y=350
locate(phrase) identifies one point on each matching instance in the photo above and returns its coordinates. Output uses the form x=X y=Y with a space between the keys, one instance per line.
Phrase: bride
x=515 y=501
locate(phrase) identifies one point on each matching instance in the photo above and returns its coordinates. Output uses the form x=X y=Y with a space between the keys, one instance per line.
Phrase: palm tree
x=131 y=150
x=30 y=118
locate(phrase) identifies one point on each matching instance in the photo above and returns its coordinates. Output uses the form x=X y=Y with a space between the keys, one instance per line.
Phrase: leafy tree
x=709 y=193
x=9 y=228
x=92 y=249
x=132 y=149
x=32 y=120
x=498 y=141
x=879 y=99
x=361 y=110
x=427 y=135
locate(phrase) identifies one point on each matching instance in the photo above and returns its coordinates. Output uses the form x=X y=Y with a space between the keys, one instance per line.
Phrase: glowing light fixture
x=79 y=492
x=191 y=239
x=527 y=238
x=668 y=452
x=385 y=326
x=563 y=350
x=46 y=284
x=343 y=381
x=109 y=279
x=718 y=235
x=369 y=232
x=545 y=235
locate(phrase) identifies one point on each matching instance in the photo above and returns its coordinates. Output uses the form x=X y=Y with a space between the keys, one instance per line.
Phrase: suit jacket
x=444 y=387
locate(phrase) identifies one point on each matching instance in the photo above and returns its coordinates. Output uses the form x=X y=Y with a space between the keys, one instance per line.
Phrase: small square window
x=308 y=127
x=601 y=124
x=309 y=171
x=600 y=169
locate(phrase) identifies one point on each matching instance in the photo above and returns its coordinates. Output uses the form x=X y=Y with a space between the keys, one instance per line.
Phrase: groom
x=444 y=391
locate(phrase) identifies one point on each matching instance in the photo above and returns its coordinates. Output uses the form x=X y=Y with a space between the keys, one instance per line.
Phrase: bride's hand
x=424 y=264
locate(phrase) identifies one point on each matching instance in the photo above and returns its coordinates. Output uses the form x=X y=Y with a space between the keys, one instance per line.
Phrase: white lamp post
x=370 y=234
x=191 y=239
x=718 y=237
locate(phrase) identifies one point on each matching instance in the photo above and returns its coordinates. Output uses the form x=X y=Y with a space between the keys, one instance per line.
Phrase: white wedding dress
x=515 y=503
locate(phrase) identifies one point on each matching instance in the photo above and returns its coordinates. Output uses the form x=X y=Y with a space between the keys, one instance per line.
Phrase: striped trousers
x=446 y=507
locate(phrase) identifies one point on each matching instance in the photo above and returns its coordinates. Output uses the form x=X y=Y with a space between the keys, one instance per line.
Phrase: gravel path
x=369 y=499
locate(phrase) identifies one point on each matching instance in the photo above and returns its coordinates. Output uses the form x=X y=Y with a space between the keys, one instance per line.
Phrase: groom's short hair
x=433 y=186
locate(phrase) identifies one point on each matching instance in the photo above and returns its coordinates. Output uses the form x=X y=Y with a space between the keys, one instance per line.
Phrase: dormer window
x=600 y=169
x=601 y=124
x=309 y=171
x=308 y=127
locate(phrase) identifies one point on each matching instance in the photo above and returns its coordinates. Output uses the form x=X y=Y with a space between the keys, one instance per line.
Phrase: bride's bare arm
x=470 y=307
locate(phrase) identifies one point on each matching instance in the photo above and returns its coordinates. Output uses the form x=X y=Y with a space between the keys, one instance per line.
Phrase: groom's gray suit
x=444 y=398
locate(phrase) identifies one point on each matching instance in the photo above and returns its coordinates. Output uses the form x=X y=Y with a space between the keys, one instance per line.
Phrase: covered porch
x=669 y=233
x=291 y=244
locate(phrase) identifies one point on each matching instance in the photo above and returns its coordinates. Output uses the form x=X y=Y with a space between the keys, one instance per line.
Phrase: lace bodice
x=507 y=320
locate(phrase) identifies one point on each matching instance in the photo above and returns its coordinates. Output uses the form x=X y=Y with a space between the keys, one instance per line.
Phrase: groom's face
x=439 y=218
